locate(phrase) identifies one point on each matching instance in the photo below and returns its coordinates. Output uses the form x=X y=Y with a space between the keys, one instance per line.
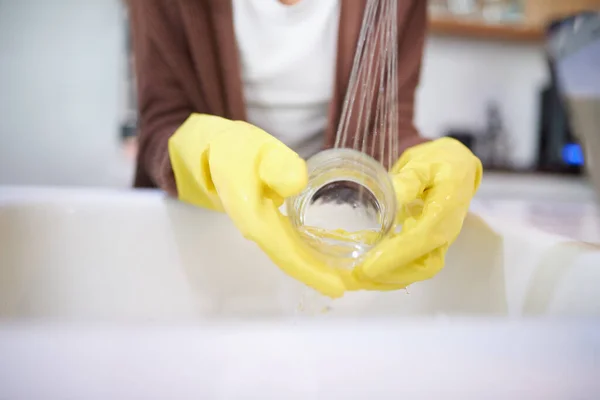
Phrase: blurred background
x=67 y=109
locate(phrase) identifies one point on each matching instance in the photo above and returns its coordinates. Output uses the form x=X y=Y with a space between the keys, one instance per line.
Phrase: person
x=214 y=76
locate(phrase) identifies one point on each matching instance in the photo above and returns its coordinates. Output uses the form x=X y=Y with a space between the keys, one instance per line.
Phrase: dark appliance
x=570 y=105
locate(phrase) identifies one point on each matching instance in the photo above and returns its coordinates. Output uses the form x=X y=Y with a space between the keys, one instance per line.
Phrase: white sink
x=111 y=260
x=137 y=256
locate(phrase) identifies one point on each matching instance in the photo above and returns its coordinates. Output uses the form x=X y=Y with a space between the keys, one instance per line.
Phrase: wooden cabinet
x=541 y=12
x=514 y=32
x=536 y=14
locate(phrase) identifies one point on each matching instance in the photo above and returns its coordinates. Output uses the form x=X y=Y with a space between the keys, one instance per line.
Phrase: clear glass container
x=347 y=208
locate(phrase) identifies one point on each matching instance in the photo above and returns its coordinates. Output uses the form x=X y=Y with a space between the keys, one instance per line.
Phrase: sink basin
x=132 y=295
x=82 y=255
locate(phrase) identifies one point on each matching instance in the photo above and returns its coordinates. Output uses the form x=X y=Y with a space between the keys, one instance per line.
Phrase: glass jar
x=347 y=208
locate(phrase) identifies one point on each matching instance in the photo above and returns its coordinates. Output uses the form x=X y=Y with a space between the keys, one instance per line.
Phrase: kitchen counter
x=562 y=205
x=532 y=187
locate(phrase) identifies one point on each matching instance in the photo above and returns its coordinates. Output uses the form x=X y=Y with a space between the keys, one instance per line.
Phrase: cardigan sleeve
x=162 y=103
x=410 y=54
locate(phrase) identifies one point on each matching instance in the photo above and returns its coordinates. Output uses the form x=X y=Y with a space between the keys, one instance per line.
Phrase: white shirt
x=288 y=56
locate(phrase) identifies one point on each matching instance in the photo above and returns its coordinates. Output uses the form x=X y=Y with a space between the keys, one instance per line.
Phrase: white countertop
x=579 y=221
x=556 y=204
x=532 y=186
x=466 y=359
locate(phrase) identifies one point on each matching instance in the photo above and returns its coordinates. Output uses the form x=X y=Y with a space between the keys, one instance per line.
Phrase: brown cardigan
x=187 y=61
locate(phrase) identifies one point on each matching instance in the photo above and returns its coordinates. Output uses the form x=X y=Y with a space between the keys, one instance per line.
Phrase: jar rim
x=346 y=165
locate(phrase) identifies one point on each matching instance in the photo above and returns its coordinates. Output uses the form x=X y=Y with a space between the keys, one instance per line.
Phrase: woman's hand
x=238 y=168
x=235 y=167
x=434 y=184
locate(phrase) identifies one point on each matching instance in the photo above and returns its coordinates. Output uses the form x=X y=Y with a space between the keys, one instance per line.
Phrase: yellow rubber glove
x=434 y=184
x=235 y=167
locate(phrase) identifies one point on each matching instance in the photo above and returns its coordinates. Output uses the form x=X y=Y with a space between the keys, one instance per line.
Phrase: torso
x=288 y=58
